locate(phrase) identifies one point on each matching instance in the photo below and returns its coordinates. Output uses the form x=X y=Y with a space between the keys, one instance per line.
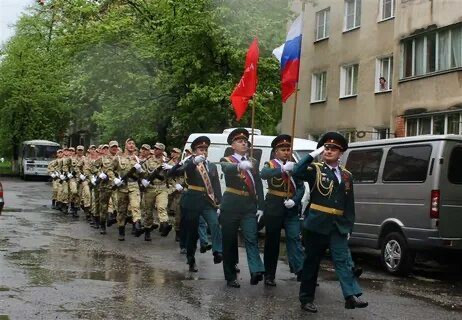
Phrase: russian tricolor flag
x=289 y=56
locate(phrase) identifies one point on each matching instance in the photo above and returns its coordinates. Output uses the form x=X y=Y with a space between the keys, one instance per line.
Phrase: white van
x=219 y=148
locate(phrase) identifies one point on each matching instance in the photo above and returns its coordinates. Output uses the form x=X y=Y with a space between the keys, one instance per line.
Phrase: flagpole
x=294 y=114
x=253 y=125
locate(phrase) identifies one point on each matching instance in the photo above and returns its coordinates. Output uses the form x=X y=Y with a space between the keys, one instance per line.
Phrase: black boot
x=103 y=226
x=133 y=229
x=147 y=234
x=96 y=222
x=87 y=214
x=166 y=228
x=112 y=220
x=53 y=204
x=74 y=210
x=138 y=230
x=122 y=233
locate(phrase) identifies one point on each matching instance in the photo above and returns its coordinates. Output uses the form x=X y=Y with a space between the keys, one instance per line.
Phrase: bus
x=34 y=156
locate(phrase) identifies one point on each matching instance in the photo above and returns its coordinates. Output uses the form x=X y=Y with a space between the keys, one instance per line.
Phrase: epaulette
x=344 y=169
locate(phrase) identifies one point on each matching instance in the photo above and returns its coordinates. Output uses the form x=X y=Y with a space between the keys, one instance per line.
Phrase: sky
x=10 y=10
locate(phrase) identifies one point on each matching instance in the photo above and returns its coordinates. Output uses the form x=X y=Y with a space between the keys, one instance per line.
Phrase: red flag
x=246 y=88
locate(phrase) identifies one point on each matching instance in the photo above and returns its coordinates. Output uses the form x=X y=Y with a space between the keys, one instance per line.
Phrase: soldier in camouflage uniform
x=83 y=169
x=53 y=172
x=63 y=177
x=72 y=181
x=104 y=182
x=156 y=191
x=127 y=167
x=95 y=154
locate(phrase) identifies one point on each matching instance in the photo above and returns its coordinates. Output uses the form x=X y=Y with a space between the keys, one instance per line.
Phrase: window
x=455 y=169
x=349 y=134
x=322 y=24
x=453 y=123
x=431 y=52
x=384 y=74
x=407 y=164
x=442 y=123
x=381 y=133
x=364 y=165
x=352 y=14
x=318 y=87
x=387 y=9
x=349 y=80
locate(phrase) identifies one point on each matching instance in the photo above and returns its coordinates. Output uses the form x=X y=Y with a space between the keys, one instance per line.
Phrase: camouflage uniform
x=52 y=169
x=106 y=165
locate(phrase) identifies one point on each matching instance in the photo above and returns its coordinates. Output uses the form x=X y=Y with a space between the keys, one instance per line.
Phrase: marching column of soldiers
x=149 y=190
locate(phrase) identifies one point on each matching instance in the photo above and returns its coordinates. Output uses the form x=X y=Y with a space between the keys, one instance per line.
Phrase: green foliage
x=147 y=69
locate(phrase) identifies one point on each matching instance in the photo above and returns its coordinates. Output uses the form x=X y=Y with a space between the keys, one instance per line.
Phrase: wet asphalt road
x=56 y=267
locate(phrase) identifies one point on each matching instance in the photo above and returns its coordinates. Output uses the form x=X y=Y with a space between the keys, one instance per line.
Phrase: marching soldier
x=52 y=171
x=201 y=199
x=156 y=192
x=84 y=174
x=104 y=184
x=94 y=171
x=127 y=166
x=329 y=220
x=282 y=207
x=242 y=202
x=64 y=177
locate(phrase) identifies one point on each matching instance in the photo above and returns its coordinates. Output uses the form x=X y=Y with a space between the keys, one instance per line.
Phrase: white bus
x=34 y=156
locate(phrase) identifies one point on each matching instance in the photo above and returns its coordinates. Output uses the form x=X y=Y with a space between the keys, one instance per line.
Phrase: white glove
x=82 y=177
x=93 y=180
x=218 y=212
x=245 y=165
x=288 y=166
x=102 y=176
x=178 y=187
x=166 y=166
x=69 y=175
x=62 y=177
x=259 y=215
x=56 y=174
x=317 y=152
x=118 y=182
x=137 y=166
x=348 y=236
x=289 y=203
x=145 y=183
x=53 y=175
x=199 y=159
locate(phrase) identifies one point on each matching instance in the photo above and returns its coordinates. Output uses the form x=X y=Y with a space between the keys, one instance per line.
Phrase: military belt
x=332 y=211
x=238 y=192
x=280 y=193
x=196 y=188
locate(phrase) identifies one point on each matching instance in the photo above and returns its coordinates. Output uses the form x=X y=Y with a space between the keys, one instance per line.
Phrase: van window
x=364 y=165
x=256 y=154
x=408 y=164
x=455 y=168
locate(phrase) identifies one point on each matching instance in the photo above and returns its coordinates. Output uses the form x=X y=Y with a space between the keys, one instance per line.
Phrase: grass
x=5 y=167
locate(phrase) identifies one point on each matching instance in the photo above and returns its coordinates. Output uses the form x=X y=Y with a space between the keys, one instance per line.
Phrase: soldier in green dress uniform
x=282 y=207
x=241 y=206
x=329 y=219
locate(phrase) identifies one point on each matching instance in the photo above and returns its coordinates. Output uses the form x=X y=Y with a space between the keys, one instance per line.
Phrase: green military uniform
x=329 y=219
x=242 y=199
x=281 y=213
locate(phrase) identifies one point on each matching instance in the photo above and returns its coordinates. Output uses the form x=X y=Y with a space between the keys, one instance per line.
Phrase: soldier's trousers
x=234 y=214
x=73 y=191
x=192 y=221
x=276 y=217
x=64 y=192
x=128 y=196
x=104 y=197
x=316 y=245
x=55 y=184
x=155 y=198
x=175 y=208
x=95 y=202
x=85 y=194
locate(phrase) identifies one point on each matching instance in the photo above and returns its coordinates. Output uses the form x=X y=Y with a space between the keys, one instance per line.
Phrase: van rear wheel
x=396 y=256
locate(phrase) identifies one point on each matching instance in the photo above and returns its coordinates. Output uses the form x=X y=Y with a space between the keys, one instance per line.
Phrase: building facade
x=374 y=69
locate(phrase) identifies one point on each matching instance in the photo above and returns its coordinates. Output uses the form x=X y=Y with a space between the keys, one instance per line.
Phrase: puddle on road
x=65 y=263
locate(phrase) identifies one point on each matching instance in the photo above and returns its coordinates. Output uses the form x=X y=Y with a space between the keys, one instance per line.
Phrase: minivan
x=408 y=196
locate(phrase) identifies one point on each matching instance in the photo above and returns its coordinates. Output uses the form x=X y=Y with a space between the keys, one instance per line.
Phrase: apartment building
x=373 y=69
